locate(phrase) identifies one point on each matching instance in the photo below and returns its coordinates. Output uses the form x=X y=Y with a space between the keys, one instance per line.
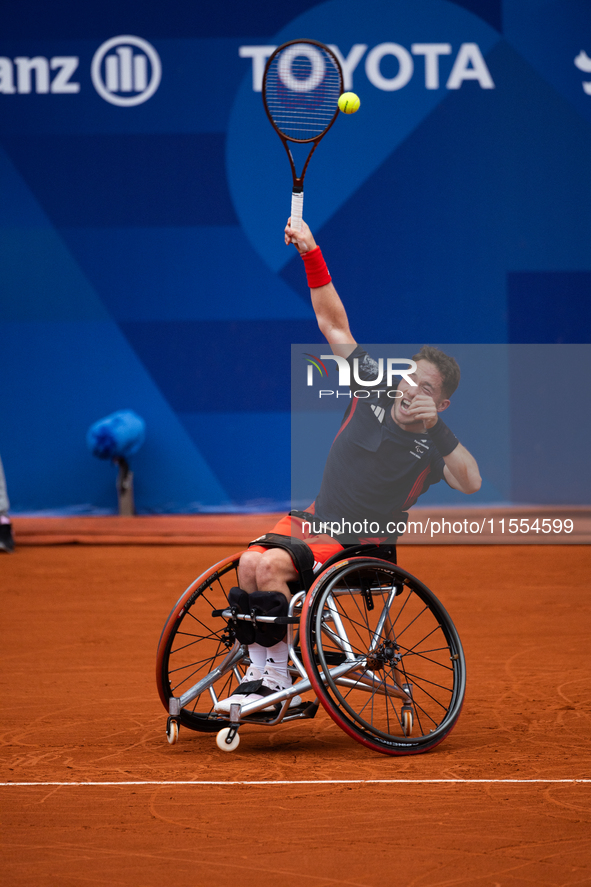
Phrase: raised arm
x=330 y=311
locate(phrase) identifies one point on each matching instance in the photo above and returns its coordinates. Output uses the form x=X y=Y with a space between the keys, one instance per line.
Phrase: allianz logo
x=468 y=64
x=125 y=71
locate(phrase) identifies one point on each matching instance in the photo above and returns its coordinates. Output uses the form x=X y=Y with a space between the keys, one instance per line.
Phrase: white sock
x=277 y=657
x=258 y=656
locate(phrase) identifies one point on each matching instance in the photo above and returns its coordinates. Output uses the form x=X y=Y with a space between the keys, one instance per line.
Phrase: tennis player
x=388 y=451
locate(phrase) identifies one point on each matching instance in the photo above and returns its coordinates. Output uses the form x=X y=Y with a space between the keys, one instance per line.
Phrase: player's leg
x=263 y=577
x=268 y=571
x=275 y=569
x=247 y=569
x=264 y=574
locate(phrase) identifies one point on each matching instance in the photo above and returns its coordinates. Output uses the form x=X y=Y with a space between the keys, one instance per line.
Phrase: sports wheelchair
x=367 y=640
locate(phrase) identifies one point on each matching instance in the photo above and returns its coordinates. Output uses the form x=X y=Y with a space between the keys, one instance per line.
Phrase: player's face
x=428 y=384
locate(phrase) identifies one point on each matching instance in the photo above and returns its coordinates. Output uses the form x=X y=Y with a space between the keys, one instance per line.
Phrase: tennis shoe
x=275 y=680
x=255 y=685
x=244 y=692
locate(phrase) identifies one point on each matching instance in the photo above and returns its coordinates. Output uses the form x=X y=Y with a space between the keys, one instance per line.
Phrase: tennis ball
x=349 y=103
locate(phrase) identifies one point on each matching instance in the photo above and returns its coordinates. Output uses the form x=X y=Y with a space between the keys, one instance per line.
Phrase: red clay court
x=92 y=794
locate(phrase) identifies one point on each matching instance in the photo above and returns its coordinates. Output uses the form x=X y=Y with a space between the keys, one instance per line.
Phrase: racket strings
x=302 y=89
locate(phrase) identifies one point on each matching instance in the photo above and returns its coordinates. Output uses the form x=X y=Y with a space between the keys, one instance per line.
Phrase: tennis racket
x=301 y=88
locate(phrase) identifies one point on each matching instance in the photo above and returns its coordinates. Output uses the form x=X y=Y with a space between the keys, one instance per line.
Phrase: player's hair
x=447 y=366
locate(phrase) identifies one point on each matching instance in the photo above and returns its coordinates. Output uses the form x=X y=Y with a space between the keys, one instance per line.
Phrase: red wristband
x=316 y=270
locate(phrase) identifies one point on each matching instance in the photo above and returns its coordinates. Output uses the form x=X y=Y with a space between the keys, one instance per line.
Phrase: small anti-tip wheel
x=407 y=721
x=221 y=740
x=172 y=731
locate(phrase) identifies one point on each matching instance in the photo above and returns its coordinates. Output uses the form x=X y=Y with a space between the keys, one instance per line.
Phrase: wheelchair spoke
x=196 y=640
x=402 y=608
x=419 y=681
x=419 y=655
x=418 y=616
x=197 y=666
x=373 y=697
x=356 y=625
x=200 y=668
x=199 y=621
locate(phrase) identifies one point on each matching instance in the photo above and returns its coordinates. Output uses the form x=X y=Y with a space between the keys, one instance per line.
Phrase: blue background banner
x=142 y=264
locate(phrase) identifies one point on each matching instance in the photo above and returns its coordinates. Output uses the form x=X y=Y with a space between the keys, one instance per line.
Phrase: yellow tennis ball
x=349 y=103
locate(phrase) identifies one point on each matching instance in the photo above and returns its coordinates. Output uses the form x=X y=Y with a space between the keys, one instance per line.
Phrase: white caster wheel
x=407 y=721
x=172 y=732
x=221 y=740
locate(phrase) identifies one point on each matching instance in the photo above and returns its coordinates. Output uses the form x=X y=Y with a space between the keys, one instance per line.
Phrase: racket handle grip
x=297 y=209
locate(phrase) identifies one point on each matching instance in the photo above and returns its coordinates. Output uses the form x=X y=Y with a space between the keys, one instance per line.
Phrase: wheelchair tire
x=417 y=644
x=193 y=643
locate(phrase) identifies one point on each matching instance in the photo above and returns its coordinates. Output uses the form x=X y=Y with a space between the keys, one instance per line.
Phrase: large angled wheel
x=383 y=656
x=193 y=643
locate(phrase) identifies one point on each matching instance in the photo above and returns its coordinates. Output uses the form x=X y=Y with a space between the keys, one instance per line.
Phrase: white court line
x=313 y=782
